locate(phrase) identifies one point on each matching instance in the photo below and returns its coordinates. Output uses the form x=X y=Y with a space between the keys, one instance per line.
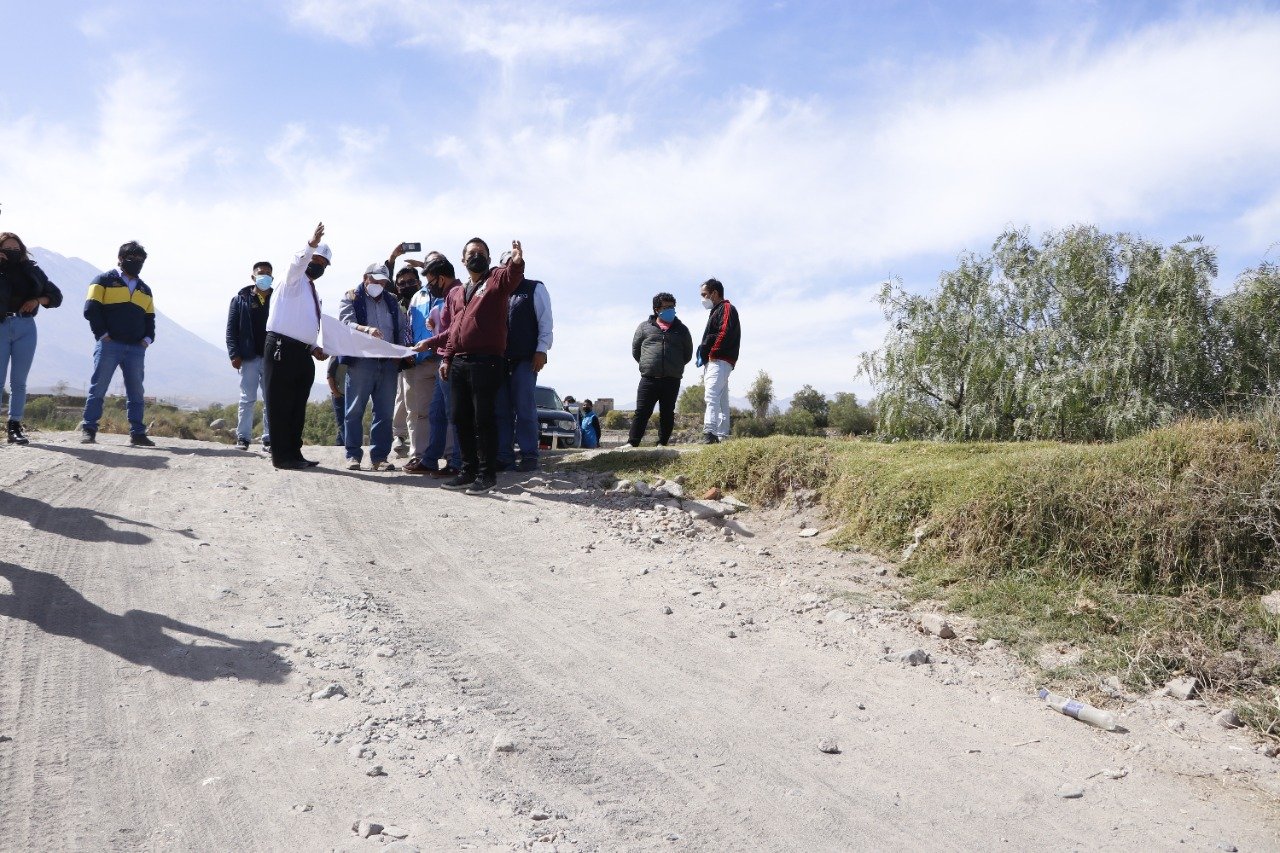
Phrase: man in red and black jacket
x=717 y=355
x=473 y=360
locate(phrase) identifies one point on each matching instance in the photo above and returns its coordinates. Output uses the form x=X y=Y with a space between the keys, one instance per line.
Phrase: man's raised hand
x=318 y=236
x=517 y=254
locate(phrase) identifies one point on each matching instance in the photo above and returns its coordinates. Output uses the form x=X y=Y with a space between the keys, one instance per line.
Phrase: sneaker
x=353 y=464
x=88 y=436
x=15 y=433
x=482 y=485
x=242 y=443
x=266 y=446
x=141 y=440
x=462 y=481
x=402 y=446
x=527 y=465
x=710 y=438
x=384 y=465
x=446 y=471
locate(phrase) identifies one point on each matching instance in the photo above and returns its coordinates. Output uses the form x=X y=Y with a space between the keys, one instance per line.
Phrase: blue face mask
x=263 y=282
x=666 y=315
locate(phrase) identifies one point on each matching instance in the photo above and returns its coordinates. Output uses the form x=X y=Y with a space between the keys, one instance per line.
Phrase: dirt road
x=506 y=676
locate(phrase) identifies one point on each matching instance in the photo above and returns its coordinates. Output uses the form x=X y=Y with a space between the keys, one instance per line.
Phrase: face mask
x=477 y=264
x=314 y=271
x=9 y=257
x=263 y=282
x=708 y=304
x=374 y=290
x=132 y=266
x=408 y=286
x=666 y=315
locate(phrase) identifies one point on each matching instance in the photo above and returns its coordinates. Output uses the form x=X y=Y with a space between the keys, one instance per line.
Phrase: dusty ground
x=169 y=616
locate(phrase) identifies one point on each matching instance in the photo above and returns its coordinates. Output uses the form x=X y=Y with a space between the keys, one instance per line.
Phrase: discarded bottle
x=1082 y=712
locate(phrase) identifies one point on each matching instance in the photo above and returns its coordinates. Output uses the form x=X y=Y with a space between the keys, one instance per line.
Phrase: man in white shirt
x=293 y=328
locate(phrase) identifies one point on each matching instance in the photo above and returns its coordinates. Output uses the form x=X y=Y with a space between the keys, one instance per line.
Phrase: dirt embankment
x=205 y=653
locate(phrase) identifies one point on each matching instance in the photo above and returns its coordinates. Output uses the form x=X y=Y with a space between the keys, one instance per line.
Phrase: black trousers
x=473 y=387
x=662 y=391
x=289 y=372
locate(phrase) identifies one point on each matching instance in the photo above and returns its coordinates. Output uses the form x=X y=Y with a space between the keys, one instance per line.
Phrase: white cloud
x=798 y=205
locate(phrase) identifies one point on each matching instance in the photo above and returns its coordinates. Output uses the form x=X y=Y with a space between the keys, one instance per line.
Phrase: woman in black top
x=24 y=289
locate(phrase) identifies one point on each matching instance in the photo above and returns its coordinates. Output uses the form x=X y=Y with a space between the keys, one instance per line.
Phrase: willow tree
x=1083 y=336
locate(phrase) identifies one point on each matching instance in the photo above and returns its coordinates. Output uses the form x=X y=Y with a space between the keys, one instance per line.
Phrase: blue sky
x=800 y=152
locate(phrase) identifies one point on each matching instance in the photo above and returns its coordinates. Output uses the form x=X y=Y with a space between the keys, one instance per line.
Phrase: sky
x=800 y=152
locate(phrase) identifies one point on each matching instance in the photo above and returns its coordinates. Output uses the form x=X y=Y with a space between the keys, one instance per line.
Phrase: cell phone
x=411 y=247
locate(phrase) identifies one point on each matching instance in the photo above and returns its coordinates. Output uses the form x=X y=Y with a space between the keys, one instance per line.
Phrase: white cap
x=377 y=271
x=323 y=251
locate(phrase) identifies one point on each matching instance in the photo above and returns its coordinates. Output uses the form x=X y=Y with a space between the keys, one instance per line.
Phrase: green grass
x=1148 y=553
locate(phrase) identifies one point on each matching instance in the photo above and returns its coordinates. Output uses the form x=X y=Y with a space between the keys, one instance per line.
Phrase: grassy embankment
x=1149 y=554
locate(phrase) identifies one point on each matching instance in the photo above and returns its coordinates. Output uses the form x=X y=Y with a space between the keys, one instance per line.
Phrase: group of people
x=462 y=369
x=459 y=372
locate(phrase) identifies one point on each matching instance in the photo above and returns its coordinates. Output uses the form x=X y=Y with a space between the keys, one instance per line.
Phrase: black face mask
x=314 y=271
x=132 y=266
x=477 y=264
x=9 y=260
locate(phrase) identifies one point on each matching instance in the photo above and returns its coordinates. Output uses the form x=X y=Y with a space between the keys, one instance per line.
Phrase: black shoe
x=527 y=465
x=242 y=444
x=482 y=485
x=292 y=465
x=462 y=481
x=266 y=446
x=88 y=436
x=141 y=440
x=15 y=433
x=710 y=438
x=310 y=463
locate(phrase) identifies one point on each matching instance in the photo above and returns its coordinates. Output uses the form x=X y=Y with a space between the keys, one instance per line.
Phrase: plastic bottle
x=1082 y=712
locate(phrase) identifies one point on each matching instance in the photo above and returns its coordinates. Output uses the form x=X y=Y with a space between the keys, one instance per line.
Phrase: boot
x=15 y=433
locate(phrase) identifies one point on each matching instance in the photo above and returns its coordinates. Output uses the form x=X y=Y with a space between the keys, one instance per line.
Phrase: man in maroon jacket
x=473 y=360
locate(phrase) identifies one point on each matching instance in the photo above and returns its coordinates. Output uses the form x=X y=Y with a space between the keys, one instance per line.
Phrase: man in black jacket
x=717 y=355
x=122 y=317
x=662 y=346
x=246 y=342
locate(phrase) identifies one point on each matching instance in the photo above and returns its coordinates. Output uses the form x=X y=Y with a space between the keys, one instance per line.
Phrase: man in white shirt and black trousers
x=293 y=329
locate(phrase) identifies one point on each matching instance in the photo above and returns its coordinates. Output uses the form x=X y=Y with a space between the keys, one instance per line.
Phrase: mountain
x=182 y=368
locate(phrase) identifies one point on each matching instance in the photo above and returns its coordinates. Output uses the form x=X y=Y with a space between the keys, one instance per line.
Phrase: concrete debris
x=1228 y=719
x=933 y=623
x=829 y=745
x=1182 y=688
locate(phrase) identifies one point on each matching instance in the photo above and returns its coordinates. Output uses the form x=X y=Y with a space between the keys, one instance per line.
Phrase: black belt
x=286 y=341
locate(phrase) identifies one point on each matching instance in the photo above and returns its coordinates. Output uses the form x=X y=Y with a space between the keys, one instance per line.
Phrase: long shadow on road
x=75 y=522
x=141 y=459
x=53 y=606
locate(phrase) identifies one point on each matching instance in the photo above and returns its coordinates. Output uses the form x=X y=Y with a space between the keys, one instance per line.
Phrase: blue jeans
x=250 y=381
x=17 y=348
x=107 y=356
x=340 y=417
x=517 y=414
x=441 y=425
x=370 y=378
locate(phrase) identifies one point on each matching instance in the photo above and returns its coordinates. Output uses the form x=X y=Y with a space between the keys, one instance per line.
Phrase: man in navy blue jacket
x=246 y=342
x=122 y=317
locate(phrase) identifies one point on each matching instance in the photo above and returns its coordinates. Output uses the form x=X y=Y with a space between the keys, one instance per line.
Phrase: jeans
x=662 y=391
x=517 y=414
x=107 y=356
x=251 y=379
x=340 y=417
x=370 y=379
x=443 y=438
x=715 y=377
x=17 y=351
x=474 y=381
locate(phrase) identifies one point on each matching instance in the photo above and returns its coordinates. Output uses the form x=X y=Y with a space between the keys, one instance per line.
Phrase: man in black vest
x=529 y=334
x=372 y=309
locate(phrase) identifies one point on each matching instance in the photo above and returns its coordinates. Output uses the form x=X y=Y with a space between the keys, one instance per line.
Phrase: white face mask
x=374 y=290
x=708 y=304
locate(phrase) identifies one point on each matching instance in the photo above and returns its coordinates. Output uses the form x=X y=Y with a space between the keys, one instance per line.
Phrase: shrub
x=618 y=419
